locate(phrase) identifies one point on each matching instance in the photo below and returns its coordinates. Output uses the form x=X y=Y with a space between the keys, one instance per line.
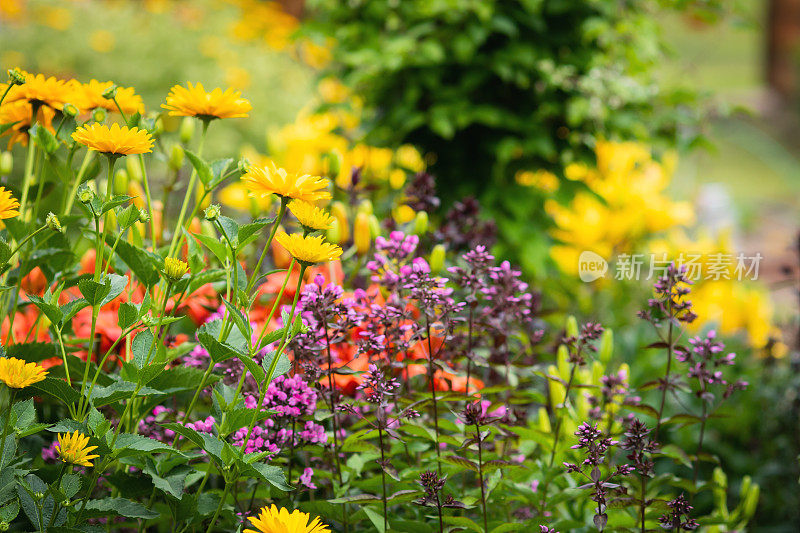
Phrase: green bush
x=493 y=87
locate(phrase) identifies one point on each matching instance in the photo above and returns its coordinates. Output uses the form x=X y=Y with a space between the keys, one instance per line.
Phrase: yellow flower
x=174 y=269
x=38 y=89
x=89 y=96
x=309 y=250
x=73 y=449
x=18 y=374
x=9 y=206
x=310 y=216
x=196 y=102
x=269 y=179
x=20 y=113
x=114 y=140
x=273 y=520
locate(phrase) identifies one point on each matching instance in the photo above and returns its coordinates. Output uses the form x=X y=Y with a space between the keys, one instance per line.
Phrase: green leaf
x=142 y=263
x=58 y=389
x=202 y=168
x=70 y=485
x=93 y=291
x=121 y=507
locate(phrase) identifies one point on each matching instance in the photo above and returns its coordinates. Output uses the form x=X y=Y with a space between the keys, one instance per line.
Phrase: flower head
x=95 y=94
x=194 y=101
x=20 y=113
x=9 y=206
x=311 y=217
x=174 y=269
x=273 y=520
x=115 y=140
x=263 y=181
x=309 y=250
x=73 y=449
x=18 y=374
x=39 y=90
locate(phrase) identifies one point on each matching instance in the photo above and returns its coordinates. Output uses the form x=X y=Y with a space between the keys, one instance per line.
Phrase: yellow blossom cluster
x=626 y=210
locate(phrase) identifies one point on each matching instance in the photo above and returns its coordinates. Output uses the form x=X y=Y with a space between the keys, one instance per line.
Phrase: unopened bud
x=397 y=178
x=437 y=258
x=6 y=163
x=134 y=167
x=333 y=233
x=16 y=77
x=85 y=195
x=339 y=212
x=176 y=156
x=187 y=130
x=110 y=93
x=421 y=223
x=334 y=158
x=365 y=206
x=362 y=236
x=99 y=115
x=53 y=222
x=212 y=212
x=70 y=110
x=121 y=181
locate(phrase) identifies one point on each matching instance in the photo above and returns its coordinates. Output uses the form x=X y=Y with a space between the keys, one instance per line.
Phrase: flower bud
x=134 y=167
x=212 y=212
x=365 y=206
x=606 y=345
x=333 y=232
x=374 y=226
x=176 y=157
x=339 y=212
x=334 y=160
x=187 y=130
x=144 y=215
x=421 y=223
x=53 y=222
x=121 y=181
x=6 y=163
x=437 y=258
x=99 y=115
x=85 y=195
x=397 y=178
x=110 y=93
x=16 y=77
x=70 y=110
x=571 y=326
x=174 y=269
x=362 y=236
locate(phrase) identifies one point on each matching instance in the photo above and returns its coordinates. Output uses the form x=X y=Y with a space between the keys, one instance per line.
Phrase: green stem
x=178 y=234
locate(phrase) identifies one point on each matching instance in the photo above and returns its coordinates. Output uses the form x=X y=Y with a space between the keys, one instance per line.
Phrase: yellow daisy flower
x=73 y=449
x=40 y=90
x=311 y=217
x=89 y=96
x=114 y=140
x=20 y=112
x=174 y=269
x=9 y=206
x=309 y=250
x=18 y=374
x=196 y=102
x=273 y=520
x=269 y=179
